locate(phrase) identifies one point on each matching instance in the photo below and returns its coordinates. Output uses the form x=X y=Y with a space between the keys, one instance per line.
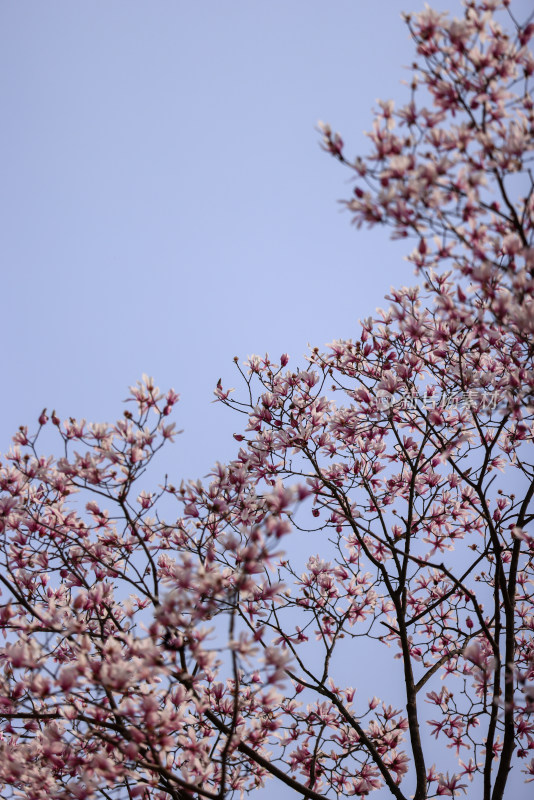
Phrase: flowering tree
x=197 y=657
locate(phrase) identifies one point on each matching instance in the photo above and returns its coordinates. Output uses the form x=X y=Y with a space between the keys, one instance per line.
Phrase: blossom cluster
x=192 y=641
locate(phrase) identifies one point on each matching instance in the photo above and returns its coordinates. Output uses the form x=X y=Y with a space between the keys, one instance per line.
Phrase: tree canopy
x=196 y=641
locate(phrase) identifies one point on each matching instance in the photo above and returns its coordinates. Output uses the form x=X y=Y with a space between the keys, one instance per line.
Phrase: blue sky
x=165 y=202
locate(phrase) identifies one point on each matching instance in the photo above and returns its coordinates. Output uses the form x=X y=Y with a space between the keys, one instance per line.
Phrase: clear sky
x=164 y=201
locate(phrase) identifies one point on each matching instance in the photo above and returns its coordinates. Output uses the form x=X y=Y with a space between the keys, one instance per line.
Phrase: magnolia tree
x=183 y=643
